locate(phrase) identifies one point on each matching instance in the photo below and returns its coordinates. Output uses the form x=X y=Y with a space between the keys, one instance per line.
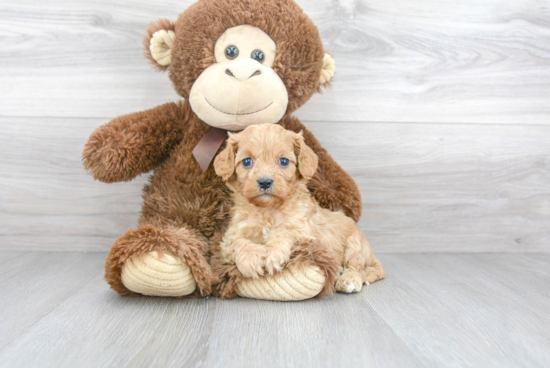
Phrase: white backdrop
x=440 y=110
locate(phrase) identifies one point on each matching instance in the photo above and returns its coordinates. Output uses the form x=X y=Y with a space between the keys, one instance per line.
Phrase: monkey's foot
x=158 y=274
x=291 y=284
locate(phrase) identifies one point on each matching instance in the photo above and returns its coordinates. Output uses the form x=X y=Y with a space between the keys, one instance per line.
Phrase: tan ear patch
x=158 y=42
x=161 y=46
x=329 y=66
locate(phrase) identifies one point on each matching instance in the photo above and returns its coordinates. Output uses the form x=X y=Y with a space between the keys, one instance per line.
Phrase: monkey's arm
x=136 y=143
x=331 y=186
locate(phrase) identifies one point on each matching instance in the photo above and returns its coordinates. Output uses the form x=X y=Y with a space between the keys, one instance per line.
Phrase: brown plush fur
x=179 y=195
x=267 y=221
x=136 y=143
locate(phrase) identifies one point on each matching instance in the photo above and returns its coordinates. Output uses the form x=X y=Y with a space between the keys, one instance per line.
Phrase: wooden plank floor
x=433 y=310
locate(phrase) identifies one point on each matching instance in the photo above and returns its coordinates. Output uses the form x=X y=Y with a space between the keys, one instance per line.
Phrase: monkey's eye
x=247 y=162
x=283 y=162
x=257 y=55
x=231 y=52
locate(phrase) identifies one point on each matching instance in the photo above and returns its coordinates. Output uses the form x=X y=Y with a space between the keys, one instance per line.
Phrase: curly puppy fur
x=267 y=168
x=179 y=195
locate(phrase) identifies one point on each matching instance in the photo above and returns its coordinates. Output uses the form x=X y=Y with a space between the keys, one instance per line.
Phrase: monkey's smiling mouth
x=229 y=113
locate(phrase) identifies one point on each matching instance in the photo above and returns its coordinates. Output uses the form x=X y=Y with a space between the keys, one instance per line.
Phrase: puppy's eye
x=247 y=162
x=257 y=55
x=231 y=52
x=283 y=162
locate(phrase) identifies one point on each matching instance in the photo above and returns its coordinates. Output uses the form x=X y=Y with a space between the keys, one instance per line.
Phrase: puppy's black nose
x=265 y=183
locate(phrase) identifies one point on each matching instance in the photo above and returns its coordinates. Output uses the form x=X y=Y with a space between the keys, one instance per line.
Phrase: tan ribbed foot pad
x=290 y=285
x=149 y=274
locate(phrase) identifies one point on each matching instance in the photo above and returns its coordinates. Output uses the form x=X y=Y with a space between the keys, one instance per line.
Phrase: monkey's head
x=241 y=62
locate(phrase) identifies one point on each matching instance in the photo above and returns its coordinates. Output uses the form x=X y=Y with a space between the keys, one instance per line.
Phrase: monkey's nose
x=265 y=183
x=243 y=69
x=242 y=76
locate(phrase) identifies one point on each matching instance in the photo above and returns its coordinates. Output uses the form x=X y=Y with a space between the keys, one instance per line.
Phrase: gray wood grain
x=433 y=310
x=425 y=187
x=423 y=61
x=98 y=328
x=35 y=283
x=339 y=331
x=454 y=308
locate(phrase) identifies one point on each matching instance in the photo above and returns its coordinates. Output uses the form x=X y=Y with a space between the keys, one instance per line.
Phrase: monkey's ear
x=224 y=164
x=307 y=159
x=158 y=43
x=328 y=70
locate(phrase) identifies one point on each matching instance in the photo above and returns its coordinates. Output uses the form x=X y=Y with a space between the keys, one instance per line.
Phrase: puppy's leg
x=351 y=279
x=278 y=251
x=374 y=272
x=360 y=264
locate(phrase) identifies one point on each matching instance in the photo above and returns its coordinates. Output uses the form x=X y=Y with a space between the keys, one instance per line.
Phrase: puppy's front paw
x=274 y=261
x=250 y=263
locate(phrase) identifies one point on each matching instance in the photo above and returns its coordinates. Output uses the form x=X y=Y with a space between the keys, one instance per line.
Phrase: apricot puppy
x=267 y=168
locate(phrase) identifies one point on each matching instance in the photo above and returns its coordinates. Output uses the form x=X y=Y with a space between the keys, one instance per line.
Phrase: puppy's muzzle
x=265 y=183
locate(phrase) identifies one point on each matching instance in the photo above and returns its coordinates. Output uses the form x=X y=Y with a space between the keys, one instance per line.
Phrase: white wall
x=440 y=110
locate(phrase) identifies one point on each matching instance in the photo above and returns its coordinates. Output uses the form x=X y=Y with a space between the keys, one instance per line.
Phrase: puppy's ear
x=224 y=164
x=158 y=42
x=307 y=159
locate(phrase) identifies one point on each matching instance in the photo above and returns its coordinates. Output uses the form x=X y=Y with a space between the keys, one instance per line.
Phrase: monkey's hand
x=133 y=144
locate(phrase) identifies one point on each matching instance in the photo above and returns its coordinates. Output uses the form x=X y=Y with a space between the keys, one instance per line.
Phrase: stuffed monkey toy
x=234 y=63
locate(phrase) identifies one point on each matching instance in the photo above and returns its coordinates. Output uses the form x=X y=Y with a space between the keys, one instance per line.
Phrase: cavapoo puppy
x=267 y=168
